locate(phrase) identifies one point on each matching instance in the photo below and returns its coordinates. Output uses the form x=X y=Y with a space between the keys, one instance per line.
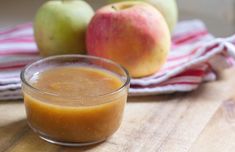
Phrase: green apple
x=168 y=8
x=60 y=27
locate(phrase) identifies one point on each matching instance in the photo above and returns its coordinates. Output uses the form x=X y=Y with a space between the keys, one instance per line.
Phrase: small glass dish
x=63 y=120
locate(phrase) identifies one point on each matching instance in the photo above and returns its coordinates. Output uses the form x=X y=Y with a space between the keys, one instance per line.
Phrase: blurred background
x=218 y=15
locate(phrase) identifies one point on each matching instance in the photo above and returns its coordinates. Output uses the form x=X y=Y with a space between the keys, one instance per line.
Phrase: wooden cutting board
x=200 y=121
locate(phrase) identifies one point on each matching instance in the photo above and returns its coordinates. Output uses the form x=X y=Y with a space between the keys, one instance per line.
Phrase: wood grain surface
x=200 y=121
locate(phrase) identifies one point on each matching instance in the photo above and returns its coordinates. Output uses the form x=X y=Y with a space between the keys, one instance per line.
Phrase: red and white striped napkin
x=196 y=56
x=17 y=49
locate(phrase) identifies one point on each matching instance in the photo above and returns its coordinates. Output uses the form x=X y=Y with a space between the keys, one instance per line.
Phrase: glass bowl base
x=71 y=144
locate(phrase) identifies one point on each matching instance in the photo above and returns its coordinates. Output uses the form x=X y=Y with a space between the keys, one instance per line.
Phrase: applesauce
x=75 y=104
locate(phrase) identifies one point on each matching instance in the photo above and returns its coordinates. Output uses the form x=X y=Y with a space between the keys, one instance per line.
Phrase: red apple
x=168 y=8
x=134 y=34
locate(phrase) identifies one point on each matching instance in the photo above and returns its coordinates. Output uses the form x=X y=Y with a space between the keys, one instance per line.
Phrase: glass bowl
x=76 y=119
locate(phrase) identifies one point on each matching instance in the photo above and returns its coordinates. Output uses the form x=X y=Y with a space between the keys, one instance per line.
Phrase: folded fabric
x=196 y=56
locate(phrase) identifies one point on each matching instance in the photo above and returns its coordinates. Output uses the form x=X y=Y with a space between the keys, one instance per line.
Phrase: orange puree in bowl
x=75 y=104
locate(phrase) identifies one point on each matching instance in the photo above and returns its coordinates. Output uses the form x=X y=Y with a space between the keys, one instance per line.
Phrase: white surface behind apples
x=219 y=15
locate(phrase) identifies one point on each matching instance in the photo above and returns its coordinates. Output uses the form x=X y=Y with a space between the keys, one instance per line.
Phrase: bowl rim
x=123 y=69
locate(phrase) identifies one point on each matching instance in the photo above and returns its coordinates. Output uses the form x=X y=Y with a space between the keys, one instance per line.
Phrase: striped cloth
x=196 y=56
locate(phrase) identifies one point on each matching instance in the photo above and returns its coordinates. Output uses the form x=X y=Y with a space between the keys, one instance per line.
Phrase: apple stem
x=113 y=7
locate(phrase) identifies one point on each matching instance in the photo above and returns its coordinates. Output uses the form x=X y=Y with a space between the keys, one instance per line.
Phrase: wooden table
x=200 y=121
